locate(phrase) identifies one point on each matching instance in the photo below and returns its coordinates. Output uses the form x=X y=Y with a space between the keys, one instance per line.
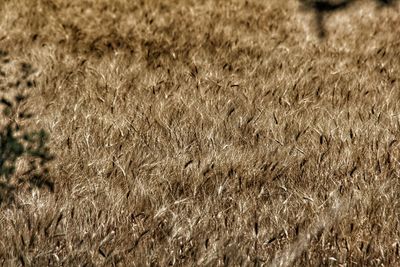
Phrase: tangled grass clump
x=19 y=144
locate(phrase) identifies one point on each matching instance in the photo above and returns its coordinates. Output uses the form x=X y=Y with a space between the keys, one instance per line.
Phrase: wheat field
x=208 y=133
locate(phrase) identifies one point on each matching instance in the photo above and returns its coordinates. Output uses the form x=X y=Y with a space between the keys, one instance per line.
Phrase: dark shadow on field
x=321 y=8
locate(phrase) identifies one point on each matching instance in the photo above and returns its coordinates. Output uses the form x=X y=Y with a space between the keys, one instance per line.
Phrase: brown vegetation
x=208 y=133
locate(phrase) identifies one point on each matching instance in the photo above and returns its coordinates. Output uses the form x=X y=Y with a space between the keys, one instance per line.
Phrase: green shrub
x=19 y=144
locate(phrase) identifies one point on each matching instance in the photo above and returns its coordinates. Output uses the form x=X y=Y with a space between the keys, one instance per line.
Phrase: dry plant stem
x=209 y=133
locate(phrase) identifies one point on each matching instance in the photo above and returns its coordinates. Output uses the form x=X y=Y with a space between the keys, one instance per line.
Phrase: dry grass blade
x=206 y=132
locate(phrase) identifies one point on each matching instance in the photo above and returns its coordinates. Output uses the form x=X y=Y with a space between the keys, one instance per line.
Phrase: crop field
x=205 y=133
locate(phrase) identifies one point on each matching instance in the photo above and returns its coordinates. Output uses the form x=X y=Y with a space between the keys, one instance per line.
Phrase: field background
x=209 y=133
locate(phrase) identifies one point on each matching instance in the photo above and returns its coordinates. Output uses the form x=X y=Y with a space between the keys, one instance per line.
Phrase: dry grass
x=209 y=133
